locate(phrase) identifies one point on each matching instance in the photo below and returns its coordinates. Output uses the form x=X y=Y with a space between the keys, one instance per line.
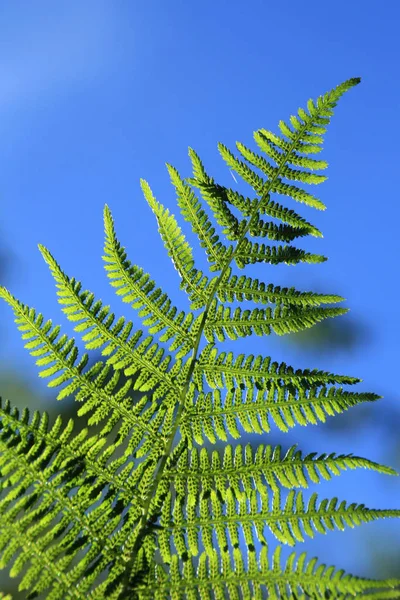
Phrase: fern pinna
x=142 y=508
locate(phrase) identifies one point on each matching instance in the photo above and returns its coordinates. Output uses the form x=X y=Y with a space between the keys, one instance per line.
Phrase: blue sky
x=95 y=95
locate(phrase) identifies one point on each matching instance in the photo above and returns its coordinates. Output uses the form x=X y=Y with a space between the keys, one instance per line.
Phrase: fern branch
x=212 y=418
x=195 y=521
x=192 y=212
x=284 y=319
x=48 y=511
x=262 y=575
x=218 y=205
x=253 y=252
x=246 y=288
x=174 y=240
x=273 y=184
x=51 y=485
x=136 y=287
x=193 y=281
x=125 y=351
x=62 y=355
x=241 y=469
x=269 y=207
x=224 y=370
x=278 y=233
x=271 y=144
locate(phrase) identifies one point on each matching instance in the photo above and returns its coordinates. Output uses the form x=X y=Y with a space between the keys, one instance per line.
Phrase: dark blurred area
x=343 y=334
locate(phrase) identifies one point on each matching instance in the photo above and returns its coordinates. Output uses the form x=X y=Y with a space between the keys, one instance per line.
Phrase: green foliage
x=140 y=509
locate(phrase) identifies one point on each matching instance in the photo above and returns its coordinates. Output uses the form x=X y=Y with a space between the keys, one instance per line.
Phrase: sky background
x=96 y=95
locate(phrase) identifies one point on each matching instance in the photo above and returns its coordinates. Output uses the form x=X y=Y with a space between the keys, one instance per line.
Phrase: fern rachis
x=150 y=512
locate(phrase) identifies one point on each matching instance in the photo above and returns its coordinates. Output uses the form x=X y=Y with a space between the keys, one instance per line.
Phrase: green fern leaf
x=171 y=234
x=271 y=144
x=242 y=470
x=284 y=319
x=61 y=354
x=214 y=417
x=193 y=281
x=252 y=252
x=277 y=233
x=260 y=185
x=214 y=575
x=223 y=370
x=145 y=359
x=253 y=513
x=242 y=288
x=222 y=214
x=42 y=514
x=247 y=207
x=136 y=287
x=191 y=209
x=137 y=510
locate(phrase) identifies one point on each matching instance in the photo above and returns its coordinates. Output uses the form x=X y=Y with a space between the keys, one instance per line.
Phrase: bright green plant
x=142 y=508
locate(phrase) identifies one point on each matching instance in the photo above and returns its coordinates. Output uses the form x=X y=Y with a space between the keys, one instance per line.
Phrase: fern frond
x=292 y=174
x=269 y=143
x=283 y=319
x=274 y=209
x=144 y=359
x=253 y=252
x=263 y=186
x=187 y=522
x=243 y=469
x=241 y=288
x=228 y=577
x=277 y=233
x=218 y=205
x=51 y=483
x=249 y=206
x=193 y=281
x=174 y=240
x=91 y=517
x=59 y=357
x=309 y=127
x=67 y=453
x=213 y=417
x=224 y=370
x=191 y=210
x=136 y=287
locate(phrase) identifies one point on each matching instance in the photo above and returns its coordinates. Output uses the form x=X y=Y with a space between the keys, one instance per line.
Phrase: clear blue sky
x=95 y=95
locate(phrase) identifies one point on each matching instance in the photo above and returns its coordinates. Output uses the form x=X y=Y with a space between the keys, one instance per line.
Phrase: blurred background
x=96 y=94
